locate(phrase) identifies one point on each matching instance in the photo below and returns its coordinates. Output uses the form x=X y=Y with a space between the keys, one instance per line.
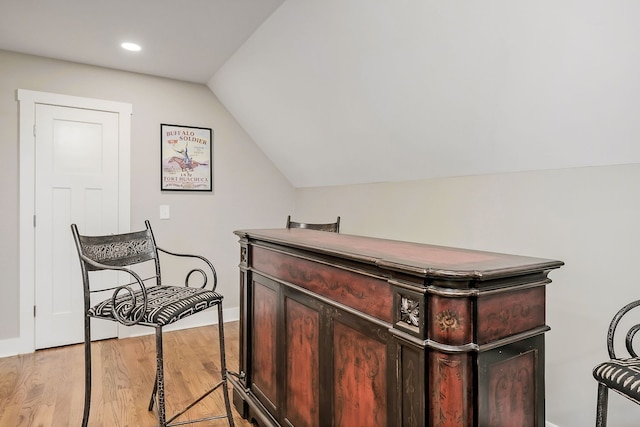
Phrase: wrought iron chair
x=332 y=226
x=146 y=302
x=620 y=374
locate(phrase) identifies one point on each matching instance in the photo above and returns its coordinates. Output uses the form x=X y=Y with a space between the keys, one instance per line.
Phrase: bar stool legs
x=158 y=395
x=603 y=400
x=158 y=388
x=223 y=368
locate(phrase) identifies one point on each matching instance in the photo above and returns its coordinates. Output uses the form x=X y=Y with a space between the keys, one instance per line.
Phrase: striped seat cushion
x=166 y=304
x=622 y=375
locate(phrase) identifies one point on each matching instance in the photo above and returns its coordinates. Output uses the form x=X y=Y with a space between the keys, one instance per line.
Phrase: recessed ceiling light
x=131 y=46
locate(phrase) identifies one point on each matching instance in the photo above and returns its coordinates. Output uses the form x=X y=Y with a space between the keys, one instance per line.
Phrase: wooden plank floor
x=46 y=389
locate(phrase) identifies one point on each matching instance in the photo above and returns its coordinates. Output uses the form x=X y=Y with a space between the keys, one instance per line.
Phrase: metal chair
x=146 y=302
x=620 y=374
x=333 y=227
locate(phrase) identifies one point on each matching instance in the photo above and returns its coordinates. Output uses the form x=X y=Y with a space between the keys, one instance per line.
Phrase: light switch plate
x=165 y=212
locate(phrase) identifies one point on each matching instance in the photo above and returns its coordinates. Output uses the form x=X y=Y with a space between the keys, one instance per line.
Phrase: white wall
x=248 y=190
x=443 y=88
x=586 y=217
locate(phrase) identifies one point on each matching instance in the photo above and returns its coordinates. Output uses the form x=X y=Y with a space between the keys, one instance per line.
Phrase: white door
x=76 y=181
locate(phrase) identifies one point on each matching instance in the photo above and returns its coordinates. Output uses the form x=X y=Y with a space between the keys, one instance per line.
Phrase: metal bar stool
x=147 y=302
x=620 y=374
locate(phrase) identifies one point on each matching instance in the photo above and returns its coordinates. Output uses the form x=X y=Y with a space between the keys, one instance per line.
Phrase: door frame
x=27 y=100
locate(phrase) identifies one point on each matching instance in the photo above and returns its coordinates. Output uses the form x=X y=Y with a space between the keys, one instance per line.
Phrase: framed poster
x=186 y=158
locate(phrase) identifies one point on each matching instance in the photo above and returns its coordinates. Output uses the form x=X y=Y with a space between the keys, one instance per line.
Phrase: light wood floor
x=46 y=388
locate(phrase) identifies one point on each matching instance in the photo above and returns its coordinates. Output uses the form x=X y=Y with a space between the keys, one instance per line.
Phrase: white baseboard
x=10 y=347
x=548 y=424
x=14 y=346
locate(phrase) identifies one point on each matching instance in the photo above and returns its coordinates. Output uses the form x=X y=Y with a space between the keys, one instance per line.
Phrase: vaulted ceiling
x=358 y=91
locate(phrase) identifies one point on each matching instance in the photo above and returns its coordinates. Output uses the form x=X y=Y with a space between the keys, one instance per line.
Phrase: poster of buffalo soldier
x=187 y=157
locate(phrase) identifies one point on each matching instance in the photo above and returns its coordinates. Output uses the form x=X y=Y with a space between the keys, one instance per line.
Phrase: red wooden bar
x=342 y=330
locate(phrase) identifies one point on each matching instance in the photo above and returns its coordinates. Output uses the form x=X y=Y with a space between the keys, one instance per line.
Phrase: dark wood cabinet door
x=264 y=343
x=302 y=364
x=359 y=378
x=511 y=389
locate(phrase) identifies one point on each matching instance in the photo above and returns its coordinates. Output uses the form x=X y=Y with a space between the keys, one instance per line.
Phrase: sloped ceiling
x=358 y=91
x=181 y=39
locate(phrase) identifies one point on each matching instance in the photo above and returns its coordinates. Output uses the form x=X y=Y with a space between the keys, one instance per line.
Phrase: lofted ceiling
x=358 y=91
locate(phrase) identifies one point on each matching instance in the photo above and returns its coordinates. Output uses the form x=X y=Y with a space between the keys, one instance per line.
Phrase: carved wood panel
x=451 y=320
x=412 y=386
x=451 y=389
x=302 y=383
x=352 y=289
x=264 y=341
x=508 y=313
x=512 y=391
x=360 y=380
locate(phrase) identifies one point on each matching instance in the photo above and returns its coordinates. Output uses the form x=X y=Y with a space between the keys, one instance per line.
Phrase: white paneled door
x=76 y=181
